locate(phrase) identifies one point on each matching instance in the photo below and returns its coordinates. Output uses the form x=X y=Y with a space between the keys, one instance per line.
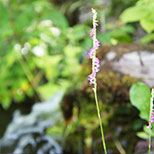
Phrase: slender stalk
x=99 y=117
x=149 y=141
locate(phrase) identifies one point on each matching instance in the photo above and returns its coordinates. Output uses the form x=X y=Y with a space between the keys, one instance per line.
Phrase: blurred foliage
x=118 y=34
x=41 y=53
x=37 y=50
x=117 y=6
x=143 y=13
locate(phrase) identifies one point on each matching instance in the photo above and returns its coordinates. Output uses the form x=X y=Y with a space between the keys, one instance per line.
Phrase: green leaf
x=3 y=14
x=121 y=36
x=134 y=13
x=78 y=32
x=142 y=135
x=5 y=29
x=148 y=25
x=87 y=43
x=140 y=97
x=127 y=29
x=146 y=130
x=145 y=134
x=72 y=51
x=58 y=18
x=147 y=39
x=105 y=38
x=24 y=18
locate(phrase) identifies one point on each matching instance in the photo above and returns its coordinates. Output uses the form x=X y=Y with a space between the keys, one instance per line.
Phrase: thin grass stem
x=99 y=117
x=149 y=141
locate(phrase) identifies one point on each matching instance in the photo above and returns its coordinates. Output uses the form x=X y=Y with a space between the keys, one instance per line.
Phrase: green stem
x=149 y=141
x=99 y=117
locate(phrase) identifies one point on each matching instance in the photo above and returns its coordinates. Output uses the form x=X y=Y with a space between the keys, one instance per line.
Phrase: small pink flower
x=92 y=78
x=96 y=64
x=96 y=22
x=91 y=53
x=92 y=32
x=97 y=44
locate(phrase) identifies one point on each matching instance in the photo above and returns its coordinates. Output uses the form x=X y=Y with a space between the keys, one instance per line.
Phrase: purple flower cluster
x=92 y=52
x=152 y=109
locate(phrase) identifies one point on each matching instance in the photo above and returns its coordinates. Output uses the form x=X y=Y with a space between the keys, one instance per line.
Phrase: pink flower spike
x=92 y=52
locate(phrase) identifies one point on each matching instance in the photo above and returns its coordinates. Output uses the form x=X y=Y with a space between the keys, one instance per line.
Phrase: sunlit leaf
x=140 y=97
x=148 y=25
x=134 y=14
x=142 y=135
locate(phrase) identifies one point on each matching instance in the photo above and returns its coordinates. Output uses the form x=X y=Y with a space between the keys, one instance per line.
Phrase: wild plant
x=95 y=69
